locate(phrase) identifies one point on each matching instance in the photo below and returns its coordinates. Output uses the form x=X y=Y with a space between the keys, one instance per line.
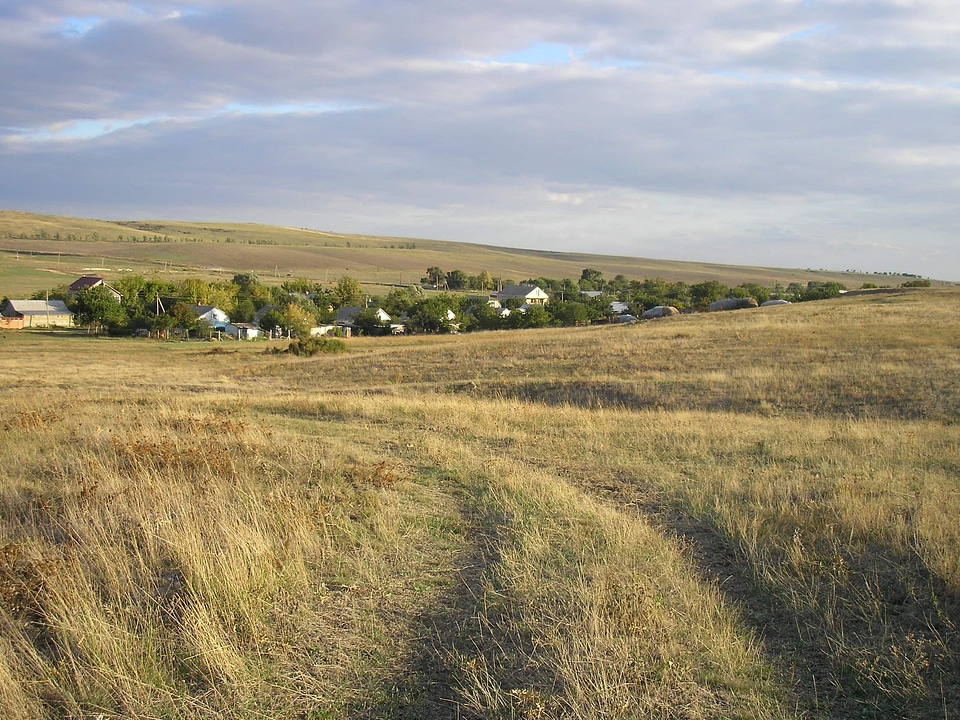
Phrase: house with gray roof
x=36 y=313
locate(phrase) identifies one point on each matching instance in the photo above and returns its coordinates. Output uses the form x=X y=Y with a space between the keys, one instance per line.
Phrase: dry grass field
x=736 y=515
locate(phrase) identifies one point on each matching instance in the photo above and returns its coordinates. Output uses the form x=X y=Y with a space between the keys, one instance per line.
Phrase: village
x=246 y=309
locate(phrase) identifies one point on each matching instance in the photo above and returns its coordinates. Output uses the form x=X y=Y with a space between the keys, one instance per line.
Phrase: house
x=217 y=318
x=90 y=281
x=618 y=307
x=347 y=320
x=347 y=315
x=529 y=294
x=36 y=313
x=243 y=331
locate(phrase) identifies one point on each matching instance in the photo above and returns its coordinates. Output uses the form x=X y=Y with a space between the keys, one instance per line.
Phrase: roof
x=520 y=291
x=37 y=307
x=348 y=313
x=87 y=281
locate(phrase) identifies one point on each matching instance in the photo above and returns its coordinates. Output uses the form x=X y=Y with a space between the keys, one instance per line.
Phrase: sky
x=783 y=133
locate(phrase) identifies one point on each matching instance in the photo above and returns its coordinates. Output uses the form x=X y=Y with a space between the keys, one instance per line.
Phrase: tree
x=184 y=316
x=132 y=289
x=754 y=290
x=97 y=308
x=484 y=281
x=570 y=312
x=400 y=300
x=368 y=321
x=456 y=279
x=431 y=315
x=299 y=285
x=243 y=311
x=195 y=290
x=348 y=292
x=297 y=320
x=705 y=293
x=162 y=324
x=249 y=286
x=271 y=320
x=591 y=279
x=435 y=277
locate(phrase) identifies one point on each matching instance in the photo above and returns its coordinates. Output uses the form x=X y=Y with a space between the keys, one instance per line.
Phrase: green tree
x=299 y=285
x=348 y=292
x=431 y=315
x=272 y=320
x=194 y=289
x=705 y=293
x=243 y=311
x=399 y=300
x=184 y=316
x=297 y=320
x=754 y=290
x=435 y=277
x=249 y=286
x=133 y=291
x=484 y=281
x=456 y=279
x=569 y=312
x=591 y=279
x=98 y=309
x=534 y=316
x=368 y=322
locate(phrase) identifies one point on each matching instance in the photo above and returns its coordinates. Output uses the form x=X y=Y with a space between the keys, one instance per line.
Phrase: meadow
x=731 y=515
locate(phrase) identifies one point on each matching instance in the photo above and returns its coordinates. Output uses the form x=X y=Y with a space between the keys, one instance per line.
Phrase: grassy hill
x=734 y=515
x=37 y=251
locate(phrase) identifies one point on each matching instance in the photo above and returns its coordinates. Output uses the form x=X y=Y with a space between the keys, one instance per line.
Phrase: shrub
x=307 y=347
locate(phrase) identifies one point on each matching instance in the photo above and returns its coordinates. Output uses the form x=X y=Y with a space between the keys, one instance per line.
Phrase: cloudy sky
x=792 y=133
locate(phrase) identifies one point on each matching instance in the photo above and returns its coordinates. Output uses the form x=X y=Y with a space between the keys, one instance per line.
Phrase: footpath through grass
x=750 y=515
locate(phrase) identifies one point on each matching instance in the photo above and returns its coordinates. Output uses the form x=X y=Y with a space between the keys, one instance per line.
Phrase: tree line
x=299 y=303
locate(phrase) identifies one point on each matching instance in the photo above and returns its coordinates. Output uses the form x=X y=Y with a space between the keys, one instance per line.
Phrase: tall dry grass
x=740 y=515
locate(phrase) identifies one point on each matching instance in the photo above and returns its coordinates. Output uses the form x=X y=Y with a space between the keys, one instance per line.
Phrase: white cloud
x=692 y=129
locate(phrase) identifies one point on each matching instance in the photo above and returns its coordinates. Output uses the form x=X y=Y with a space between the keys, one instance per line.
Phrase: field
x=734 y=515
x=40 y=251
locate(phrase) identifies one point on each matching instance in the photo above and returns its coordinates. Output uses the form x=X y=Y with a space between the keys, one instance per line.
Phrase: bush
x=310 y=346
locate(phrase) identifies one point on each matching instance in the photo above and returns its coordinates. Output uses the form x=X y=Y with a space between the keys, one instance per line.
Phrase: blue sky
x=780 y=133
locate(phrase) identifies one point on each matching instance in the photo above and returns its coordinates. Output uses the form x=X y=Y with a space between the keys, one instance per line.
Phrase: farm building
x=243 y=331
x=36 y=313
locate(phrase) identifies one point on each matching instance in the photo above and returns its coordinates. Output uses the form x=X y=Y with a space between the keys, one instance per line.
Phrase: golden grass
x=741 y=515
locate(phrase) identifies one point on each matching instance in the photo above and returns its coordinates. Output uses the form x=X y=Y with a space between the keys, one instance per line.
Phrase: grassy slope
x=321 y=256
x=748 y=514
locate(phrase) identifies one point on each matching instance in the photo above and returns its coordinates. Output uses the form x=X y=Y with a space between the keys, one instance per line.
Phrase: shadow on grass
x=836 y=398
x=893 y=651
x=469 y=659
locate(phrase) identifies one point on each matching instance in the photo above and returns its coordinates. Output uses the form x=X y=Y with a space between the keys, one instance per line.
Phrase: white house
x=530 y=294
x=217 y=318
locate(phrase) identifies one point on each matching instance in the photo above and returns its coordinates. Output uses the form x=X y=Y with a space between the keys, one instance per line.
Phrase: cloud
x=707 y=130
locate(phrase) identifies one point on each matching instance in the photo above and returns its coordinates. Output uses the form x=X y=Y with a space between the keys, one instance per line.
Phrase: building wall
x=35 y=321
